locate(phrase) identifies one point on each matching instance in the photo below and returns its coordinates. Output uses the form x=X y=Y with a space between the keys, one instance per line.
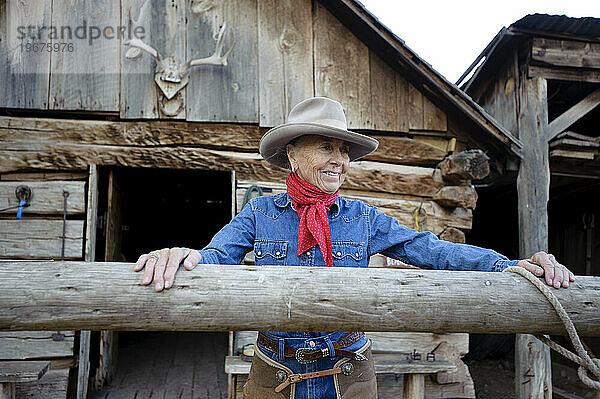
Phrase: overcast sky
x=449 y=35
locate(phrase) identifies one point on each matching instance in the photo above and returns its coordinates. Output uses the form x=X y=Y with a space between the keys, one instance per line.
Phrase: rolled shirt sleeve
x=233 y=241
x=424 y=249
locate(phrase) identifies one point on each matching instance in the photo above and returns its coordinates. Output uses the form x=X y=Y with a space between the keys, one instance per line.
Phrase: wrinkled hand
x=542 y=264
x=162 y=265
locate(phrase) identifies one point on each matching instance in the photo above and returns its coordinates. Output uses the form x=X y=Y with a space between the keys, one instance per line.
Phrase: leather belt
x=299 y=377
x=307 y=355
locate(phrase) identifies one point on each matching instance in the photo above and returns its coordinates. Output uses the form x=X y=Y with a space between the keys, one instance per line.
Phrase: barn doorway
x=142 y=210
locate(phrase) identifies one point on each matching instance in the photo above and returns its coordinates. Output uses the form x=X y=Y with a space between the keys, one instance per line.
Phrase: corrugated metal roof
x=587 y=26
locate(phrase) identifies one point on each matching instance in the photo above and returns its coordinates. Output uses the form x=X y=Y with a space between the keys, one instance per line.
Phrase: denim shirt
x=268 y=225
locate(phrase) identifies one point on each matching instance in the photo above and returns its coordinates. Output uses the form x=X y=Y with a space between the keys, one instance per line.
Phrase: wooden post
x=414 y=386
x=83 y=367
x=109 y=344
x=533 y=378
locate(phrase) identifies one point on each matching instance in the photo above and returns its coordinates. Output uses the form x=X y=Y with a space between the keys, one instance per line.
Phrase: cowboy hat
x=317 y=115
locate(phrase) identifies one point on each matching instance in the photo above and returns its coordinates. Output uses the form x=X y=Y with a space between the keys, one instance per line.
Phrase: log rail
x=95 y=295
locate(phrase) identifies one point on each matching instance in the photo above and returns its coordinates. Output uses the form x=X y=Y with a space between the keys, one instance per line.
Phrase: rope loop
x=586 y=363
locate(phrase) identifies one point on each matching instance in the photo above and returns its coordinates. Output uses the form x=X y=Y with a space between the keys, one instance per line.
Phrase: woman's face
x=321 y=161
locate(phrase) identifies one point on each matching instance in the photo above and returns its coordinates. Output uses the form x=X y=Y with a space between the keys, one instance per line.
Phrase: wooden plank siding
x=40 y=239
x=342 y=72
x=229 y=93
x=86 y=78
x=24 y=74
x=46 y=197
x=169 y=38
x=282 y=53
x=285 y=44
x=137 y=88
x=24 y=345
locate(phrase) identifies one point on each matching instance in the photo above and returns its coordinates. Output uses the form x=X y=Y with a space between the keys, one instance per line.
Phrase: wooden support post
x=414 y=386
x=83 y=367
x=533 y=378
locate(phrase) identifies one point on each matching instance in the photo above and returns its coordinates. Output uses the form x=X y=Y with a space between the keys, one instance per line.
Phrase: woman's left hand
x=541 y=263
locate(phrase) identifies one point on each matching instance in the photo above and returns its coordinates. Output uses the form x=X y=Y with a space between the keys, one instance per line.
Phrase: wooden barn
x=540 y=78
x=134 y=125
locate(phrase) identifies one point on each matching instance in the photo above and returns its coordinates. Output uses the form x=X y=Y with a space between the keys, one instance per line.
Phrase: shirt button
x=339 y=254
x=258 y=253
x=277 y=253
x=312 y=344
x=357 y=254
x=308 y=253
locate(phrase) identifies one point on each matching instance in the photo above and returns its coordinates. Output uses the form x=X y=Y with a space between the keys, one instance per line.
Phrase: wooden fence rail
x=89 y=296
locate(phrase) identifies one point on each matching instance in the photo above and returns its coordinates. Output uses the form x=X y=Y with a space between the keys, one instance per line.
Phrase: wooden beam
x=572 y=115
x=414 y=213
x=242 y=137
x=569 y=74
x=81 y=295
x=533 y=376
x=363 y=175
x=566 y=53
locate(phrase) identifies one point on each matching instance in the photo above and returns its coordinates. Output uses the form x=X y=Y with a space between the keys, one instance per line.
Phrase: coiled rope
x=586 y=363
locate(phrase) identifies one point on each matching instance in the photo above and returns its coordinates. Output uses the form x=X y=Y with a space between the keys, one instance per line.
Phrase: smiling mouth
x=332 y=174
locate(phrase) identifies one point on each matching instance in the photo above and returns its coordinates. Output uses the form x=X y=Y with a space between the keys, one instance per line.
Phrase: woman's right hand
x=161 y=265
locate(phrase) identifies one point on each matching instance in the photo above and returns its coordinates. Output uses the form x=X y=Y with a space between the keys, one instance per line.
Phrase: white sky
x=450 y=34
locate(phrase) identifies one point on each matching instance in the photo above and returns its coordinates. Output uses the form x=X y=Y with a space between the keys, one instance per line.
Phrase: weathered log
x=143 y=134
x=240 y=137
x=465 y=165
x=80 y=295
x=424 y=215
x=453 y=235
x=406 y=151
x=464 y=196
x=364 y=175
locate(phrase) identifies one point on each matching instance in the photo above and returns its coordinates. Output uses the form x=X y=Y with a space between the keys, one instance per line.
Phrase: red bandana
x=312 y=204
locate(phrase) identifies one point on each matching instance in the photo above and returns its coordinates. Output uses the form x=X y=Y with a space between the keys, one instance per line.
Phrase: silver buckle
x=300 y=355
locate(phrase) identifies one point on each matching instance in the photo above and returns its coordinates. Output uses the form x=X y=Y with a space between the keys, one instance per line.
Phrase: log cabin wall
x=99 y=104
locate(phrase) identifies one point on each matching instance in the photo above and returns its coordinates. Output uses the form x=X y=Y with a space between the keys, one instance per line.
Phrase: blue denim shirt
x=269 y=226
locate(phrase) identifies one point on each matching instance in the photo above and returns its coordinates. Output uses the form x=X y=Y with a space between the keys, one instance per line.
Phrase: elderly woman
x=310 y=225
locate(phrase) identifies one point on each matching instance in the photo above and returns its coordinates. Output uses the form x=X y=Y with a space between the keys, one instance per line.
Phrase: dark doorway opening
x=141 y=210
x=161 y=208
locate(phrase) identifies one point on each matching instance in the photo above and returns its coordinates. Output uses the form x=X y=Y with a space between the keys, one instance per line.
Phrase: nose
x=338 y=157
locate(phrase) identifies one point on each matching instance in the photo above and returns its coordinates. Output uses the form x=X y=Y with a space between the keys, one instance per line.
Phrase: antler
x=143 y=46
x=142 y=15
x=216 y=58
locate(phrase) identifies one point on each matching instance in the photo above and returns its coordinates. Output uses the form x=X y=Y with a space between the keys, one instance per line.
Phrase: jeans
x=313 y=388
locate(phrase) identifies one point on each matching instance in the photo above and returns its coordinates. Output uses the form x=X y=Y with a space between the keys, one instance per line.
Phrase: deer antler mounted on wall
x=170 y=74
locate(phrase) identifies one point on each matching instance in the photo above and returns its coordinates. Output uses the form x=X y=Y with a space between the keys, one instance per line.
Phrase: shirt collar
x=282 y=200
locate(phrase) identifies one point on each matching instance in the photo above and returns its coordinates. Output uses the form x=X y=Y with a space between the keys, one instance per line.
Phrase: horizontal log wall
x=78 y=295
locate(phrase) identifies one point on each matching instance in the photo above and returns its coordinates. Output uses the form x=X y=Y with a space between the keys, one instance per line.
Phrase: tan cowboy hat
x=317 y=115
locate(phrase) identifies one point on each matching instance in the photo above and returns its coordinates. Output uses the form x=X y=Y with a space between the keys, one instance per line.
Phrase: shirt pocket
x=348 y=253
x=270 y=252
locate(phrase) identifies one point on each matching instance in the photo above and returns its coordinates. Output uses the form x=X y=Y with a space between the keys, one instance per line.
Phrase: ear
x=291 y=154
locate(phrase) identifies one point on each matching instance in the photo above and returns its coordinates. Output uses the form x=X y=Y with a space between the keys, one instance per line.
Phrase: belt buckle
x=300 y=355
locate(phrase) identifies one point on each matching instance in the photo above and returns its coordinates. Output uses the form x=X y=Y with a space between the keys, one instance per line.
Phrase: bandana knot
x=312 y=204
